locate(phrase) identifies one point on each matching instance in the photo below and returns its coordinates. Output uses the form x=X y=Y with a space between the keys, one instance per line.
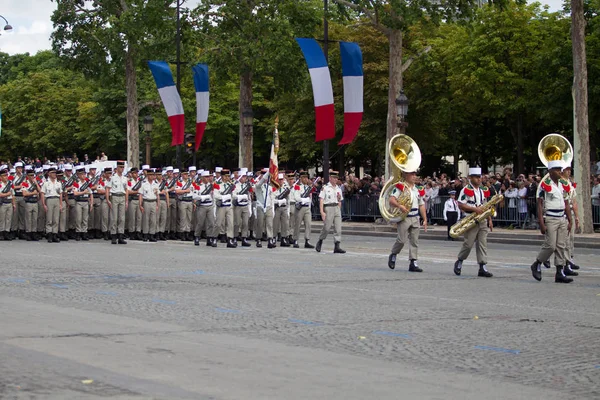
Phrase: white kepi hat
x=474 y=171
x=555 y=164
x=205 y=173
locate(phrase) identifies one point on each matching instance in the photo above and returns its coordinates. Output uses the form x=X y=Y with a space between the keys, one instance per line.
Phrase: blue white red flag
x=352 y=72
x=202 y=100
x=170 y=98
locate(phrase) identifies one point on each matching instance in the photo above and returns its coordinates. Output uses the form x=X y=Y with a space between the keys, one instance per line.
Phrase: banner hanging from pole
x=170 y=98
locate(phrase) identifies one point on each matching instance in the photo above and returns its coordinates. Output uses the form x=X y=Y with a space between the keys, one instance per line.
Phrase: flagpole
x=178 y=45
x=326 y=52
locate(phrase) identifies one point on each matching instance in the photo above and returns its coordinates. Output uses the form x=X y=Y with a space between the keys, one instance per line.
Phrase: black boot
x=34 y=237
x=392 y=261
x=196 y=241
x=560 y=276
x=319 y=244
x=272 y=243
x=122 y=239
x=307 y=245
x=49 y=235
x=230 y=243
x=259 y=243
x=106 y=236
x=458 y=267
x=284 y=242
x=29 y=236
x=2 y=237
x=414 y=267
x=536 y=270
x=296 y=245
x=145 y=237
x=245 y=243
x=568 y=271
x=238 y=238
x=572 y=265
x=251 y=237
x=113 y=239
x=78 y=236
x=223 y=238
x=55 y=238
x=483 y=272
x=213 y=241
x=84 y=236
x=63 y=236
x=99 y=234
x=152 y=238
x=338 y=249
x=209 y=242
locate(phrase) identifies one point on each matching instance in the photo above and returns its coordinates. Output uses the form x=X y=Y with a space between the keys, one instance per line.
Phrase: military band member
x=205 y=213
x=172 y=179
x=281 y=219
x=552 y=204
x=195 y=178
x=330 y=203
x=241 y=204
x=95 y=221
x=83 y=198
x=451 y=212
x=41 y=218
x=185 y=208
x=148 y=199
x=7 y=204
x=223 y=199
x=252 y=219
x=51 y=193
x=291 y=183
x=264 y=210
x=134 y=215
x=64 y=214
x=31 y=194
x=163 y=206
x=409 y=227
x=104 y=209
x=303 y=199
x=18 y=218
x=571 y=188
x=70 y=179
x=470 y=200
x=116 y=192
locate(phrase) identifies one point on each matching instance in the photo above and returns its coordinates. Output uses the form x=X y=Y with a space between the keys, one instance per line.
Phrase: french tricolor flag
x=352 y=72
x=322 y=88
x=170 y=98
x=202 y=100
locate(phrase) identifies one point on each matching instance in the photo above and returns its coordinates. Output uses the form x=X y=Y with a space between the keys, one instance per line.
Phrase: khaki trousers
x=185 y=210
x=292 y=219
x=41 y=218
x=134 y=216
x=104 y=213
x=117 y=216
x=62 y=221
x=53 y=214
x=408 y=231
x=477 y=233
x=333 y=217
x=570 y=249
x=149 y=218
x=252 y=219
x=205 y=221
x=82 y=216
x=225 y=220
x=241 y=217
x=72 y=212
x=162 y=216
x=302 y=215
x=18 y=218
x=555 y=241
x=281 y=221
x=6 y=215
x=95 y=221
x=264 y=222
x=172 y=214
x=31 y=217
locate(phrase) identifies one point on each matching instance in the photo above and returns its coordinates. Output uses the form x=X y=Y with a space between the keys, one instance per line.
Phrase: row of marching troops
x=83 y=203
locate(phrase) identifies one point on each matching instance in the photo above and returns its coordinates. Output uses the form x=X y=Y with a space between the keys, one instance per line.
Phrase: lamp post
x=247 y=119
x=402 y=111
x=148 y=125
x=7 y=27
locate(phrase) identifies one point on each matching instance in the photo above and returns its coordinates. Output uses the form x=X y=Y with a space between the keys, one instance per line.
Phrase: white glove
x=282 y=202
x=226 y=198
x=204 y=197
x=306 y=201
x=242 y=197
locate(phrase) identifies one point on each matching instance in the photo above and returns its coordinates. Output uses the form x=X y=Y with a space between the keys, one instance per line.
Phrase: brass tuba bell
x=405 y=156
x=555 y=147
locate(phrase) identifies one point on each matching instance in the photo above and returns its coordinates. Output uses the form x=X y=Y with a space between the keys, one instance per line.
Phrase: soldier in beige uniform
x=104 y=209
x=264 y=211
x=223 y=198
x=134 y=215
x=552 y=203
x=31 y=194
x=18 y=218
x=51 y=193
x=172 y=180
x=70 y=179
x=7 y=204
x=573 y=208
x=149 y=206
x=409 y=227
x=241 y=204
x=281 y=219
x=83 y=198
x=116 y=192
x=185 y=206
x=95 y=220
x=163 y=206
x=330 y=203
x=302 y=194
x=41 y=218
x=291 y=183
x=205 y=213
x=64 y=214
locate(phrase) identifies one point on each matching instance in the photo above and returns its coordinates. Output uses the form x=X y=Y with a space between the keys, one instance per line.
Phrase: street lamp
x=402 y=111
x=7 y=27
x=148 y=125
x=247 y=119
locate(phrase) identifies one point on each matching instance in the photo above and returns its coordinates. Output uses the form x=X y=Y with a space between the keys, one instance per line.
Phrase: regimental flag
x=202 y=100
x=170 y=98
x=322 y=88
x=352 y=72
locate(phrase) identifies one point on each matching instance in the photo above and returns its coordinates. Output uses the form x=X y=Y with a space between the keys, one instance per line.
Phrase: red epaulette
x=251 y=190
x=274 y=189
x=216 y=186
x=101 y=182
x=400 y=186
x=87 y=180
x=547 y=188
x=129 y=183
x=25 y=184
x=314 y=189
x=421 y=192
x=486 y=193
x=179 y=184
x=11 y=178
x=196 y=187
x=469 y=192
x=296 y=187
x=574 y=185
x=75 y=184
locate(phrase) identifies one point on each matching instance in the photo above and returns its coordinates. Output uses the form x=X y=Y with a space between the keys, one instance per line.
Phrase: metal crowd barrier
x=511 y=212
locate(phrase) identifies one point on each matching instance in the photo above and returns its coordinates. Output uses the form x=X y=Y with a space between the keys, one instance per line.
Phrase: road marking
x=303 y=322
x=57 y=285
x=227 y=310
x=498 y=349
x=394 y=334
x=161 y=301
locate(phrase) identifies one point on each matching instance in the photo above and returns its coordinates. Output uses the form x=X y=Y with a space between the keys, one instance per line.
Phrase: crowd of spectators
x=38 y=162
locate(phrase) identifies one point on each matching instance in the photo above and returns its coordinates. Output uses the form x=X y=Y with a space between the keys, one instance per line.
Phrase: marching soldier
x=552 y=206
x=83 y=198
x=104 y=209
x=470 y=200
x=241 y=201
x=223 y=199
x=163 y=205
x=62 y=220
x=31 y=192
x=330 y=203
x=18 y=218
x=41 y=219
x=183 y=190
x=70 y=179
x=51 y=193
x=116 y=192
x=149 y=206
x=281 y=220
x=303 y=195
x=571 y=188
x=409 y=227
x=95 y=221
x=7 y=204
x=134 y=215
x=291 y=183
x=264 y=210
x=194 y=177
x=172 y=180
x=205 y=214
x=252 y=219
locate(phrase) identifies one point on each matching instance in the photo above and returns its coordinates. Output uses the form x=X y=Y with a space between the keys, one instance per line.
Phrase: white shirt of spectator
x=596 y=195
x=451 y=206
x=117 y=184
x=523 y=200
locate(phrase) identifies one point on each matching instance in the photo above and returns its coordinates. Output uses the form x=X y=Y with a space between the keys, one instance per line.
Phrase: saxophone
x=489 y=210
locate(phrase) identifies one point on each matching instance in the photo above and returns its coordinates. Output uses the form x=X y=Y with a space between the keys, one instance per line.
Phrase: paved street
x=175 y=321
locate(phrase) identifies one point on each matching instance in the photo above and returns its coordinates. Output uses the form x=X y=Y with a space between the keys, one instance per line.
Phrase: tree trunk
x=246 y=157
x=581 y=132
x=133 y=129
x=395 y=85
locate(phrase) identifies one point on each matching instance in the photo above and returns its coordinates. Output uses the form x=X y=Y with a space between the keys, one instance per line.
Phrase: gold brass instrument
x=554 y=147
x=489 y=210
x=406 y=157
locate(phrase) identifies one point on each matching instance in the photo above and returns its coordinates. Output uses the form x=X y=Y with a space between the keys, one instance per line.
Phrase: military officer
x=205 y=214
x=330 y=203
x=302 y=194
x=163 y=205
x=264 y=210
x=31 y=194
x=148 y=199
x=291 y=183
x=70 y=179
x=223 y=199
x=83 y=198
x=104 y=209
x=51 y=193
x=281 y=219
x=172 y=179
x=185 y=208
x=7 y=204
x=241 y=204
x=18 y=218
x=116 y=192
x=41 y=219
x=95 y=221
x=134 y=215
